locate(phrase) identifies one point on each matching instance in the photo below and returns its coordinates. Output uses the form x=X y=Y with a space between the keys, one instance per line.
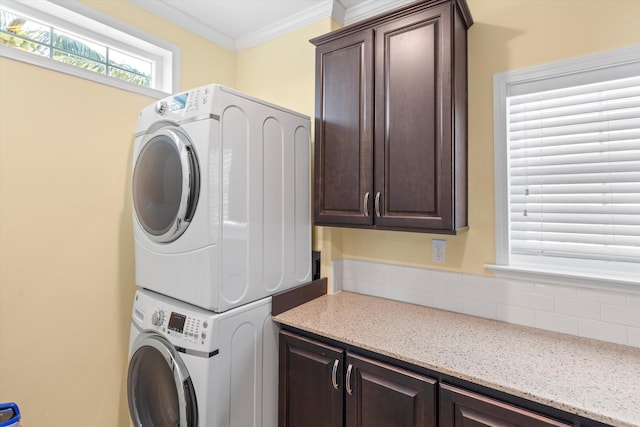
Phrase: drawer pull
x=349 y=370
x=334 y=374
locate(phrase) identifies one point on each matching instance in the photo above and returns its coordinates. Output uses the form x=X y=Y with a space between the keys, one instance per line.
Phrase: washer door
x=159 y=388
x=166 y=184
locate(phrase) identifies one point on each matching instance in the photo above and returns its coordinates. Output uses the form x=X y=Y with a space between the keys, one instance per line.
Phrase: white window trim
x=108 y=30
x=568 y=273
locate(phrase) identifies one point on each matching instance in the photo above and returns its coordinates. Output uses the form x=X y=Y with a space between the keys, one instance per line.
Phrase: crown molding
x=187 y=22
x=309 y=16
x=370 y=9
x=326 y=9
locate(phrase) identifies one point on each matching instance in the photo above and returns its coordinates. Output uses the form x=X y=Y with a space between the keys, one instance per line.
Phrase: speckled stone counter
x=590 y=378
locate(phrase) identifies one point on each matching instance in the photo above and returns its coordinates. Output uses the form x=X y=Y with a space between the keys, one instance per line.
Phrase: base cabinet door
x=310 y=383
x=325 y=386
x=379 y=394
x=462 y=408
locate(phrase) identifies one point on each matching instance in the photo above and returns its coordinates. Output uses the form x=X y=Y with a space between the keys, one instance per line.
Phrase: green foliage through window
x=24 y=33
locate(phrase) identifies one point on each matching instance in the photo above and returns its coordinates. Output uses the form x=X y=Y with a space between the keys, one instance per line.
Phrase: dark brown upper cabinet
x=391 y=121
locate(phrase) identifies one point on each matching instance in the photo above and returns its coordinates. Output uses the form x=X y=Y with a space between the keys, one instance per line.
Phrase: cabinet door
x=310 y=383
x=460 y=408
x=378 y=394
x=344 y=131
x=413 y=121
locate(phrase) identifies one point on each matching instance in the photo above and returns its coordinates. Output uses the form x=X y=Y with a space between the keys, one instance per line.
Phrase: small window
x=76 y=40
x=567 y=152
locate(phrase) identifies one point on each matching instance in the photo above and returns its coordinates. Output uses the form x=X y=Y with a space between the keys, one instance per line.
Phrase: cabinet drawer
x=459 y=407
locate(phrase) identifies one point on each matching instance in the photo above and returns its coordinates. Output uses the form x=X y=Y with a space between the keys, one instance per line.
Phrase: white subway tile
x=633 y=301
x=479 y=308
x=445 y=277
x=496 y=291
x=520 y=316
x=337 y=276
x=533 y=301
x=556 y=290
x=621 y=315
x=575 y=308
x=447 y=302
x=556 y=322
x=598 y=314
x=462 y=290
x=418 y=279
x=422 y=298
x=479 y=281
x=602 y=331
x=416 y=275
x=634 y=337
x=518 y=285
x=389 y=270
x=602 y=297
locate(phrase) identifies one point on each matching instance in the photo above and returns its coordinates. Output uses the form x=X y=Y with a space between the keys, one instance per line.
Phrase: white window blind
x=567 y=171
x=574 y=171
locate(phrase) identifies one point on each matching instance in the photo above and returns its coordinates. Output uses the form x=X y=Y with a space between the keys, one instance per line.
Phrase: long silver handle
x=348 y=380
x=334 y=374
x=377 y=203
x=365 y=204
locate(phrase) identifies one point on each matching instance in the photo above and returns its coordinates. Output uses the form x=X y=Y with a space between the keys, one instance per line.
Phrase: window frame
x=74 y=17
x=589 y=273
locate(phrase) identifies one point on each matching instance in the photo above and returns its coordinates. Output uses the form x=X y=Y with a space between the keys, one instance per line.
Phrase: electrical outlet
x=438 y=250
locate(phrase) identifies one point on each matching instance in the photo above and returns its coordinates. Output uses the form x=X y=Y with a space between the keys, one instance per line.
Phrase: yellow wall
x=506 y=35
x=66 y=243
x=66 y=246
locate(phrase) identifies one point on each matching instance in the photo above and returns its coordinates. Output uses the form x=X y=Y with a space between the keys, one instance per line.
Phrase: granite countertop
x=594 y=379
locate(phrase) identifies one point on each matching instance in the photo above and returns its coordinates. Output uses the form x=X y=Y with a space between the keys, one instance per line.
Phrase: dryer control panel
x=185 y=104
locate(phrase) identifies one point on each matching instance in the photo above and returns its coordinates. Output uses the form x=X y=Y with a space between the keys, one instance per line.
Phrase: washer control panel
x=183 y=325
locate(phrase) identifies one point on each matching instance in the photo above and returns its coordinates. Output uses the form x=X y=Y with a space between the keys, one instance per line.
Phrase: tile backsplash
x=599 y=314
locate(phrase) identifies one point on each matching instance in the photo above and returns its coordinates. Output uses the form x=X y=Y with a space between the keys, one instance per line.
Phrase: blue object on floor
x=9 y=415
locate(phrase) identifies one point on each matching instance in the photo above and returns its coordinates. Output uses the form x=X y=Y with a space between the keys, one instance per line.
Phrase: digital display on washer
x=176 y=322
x=178 y=102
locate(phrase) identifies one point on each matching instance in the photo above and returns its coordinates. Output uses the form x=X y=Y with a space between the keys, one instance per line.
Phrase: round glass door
x=166 y=184
x=159 y=389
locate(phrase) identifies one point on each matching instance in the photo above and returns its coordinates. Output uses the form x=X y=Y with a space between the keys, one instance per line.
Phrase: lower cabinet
x=459 y=407
x=322 y=385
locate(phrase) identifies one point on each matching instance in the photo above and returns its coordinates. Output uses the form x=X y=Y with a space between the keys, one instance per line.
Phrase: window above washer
x=567 y=164
x=74 y=39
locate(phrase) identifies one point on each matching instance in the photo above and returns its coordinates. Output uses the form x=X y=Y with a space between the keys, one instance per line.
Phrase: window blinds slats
x=574 y=171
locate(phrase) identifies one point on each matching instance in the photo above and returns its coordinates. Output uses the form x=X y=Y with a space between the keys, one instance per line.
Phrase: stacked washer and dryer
x=222 y=221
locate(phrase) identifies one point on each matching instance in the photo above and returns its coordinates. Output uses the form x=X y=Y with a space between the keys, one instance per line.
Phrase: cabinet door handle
x=365 y=204
x=377 y=203
x=348 y=380
x=334 y=374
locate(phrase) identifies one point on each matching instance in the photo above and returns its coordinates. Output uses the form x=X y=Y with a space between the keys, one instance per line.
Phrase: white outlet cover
x=438 y=250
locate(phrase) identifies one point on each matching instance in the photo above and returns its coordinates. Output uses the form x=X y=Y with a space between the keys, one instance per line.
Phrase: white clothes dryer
x=221 y=198
x=192 y=368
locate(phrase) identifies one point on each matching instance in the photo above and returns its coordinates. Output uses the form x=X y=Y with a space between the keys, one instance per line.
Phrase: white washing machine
x=189 y=367
x=221 y=197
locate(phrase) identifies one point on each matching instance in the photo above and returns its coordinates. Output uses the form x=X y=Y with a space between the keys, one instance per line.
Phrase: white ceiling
x=240 y=24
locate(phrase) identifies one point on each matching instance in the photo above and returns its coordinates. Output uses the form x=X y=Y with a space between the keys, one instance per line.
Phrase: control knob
x=157 y=318
x=161 y=107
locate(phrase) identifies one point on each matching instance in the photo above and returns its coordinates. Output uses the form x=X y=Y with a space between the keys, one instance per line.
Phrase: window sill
x=622 y=281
